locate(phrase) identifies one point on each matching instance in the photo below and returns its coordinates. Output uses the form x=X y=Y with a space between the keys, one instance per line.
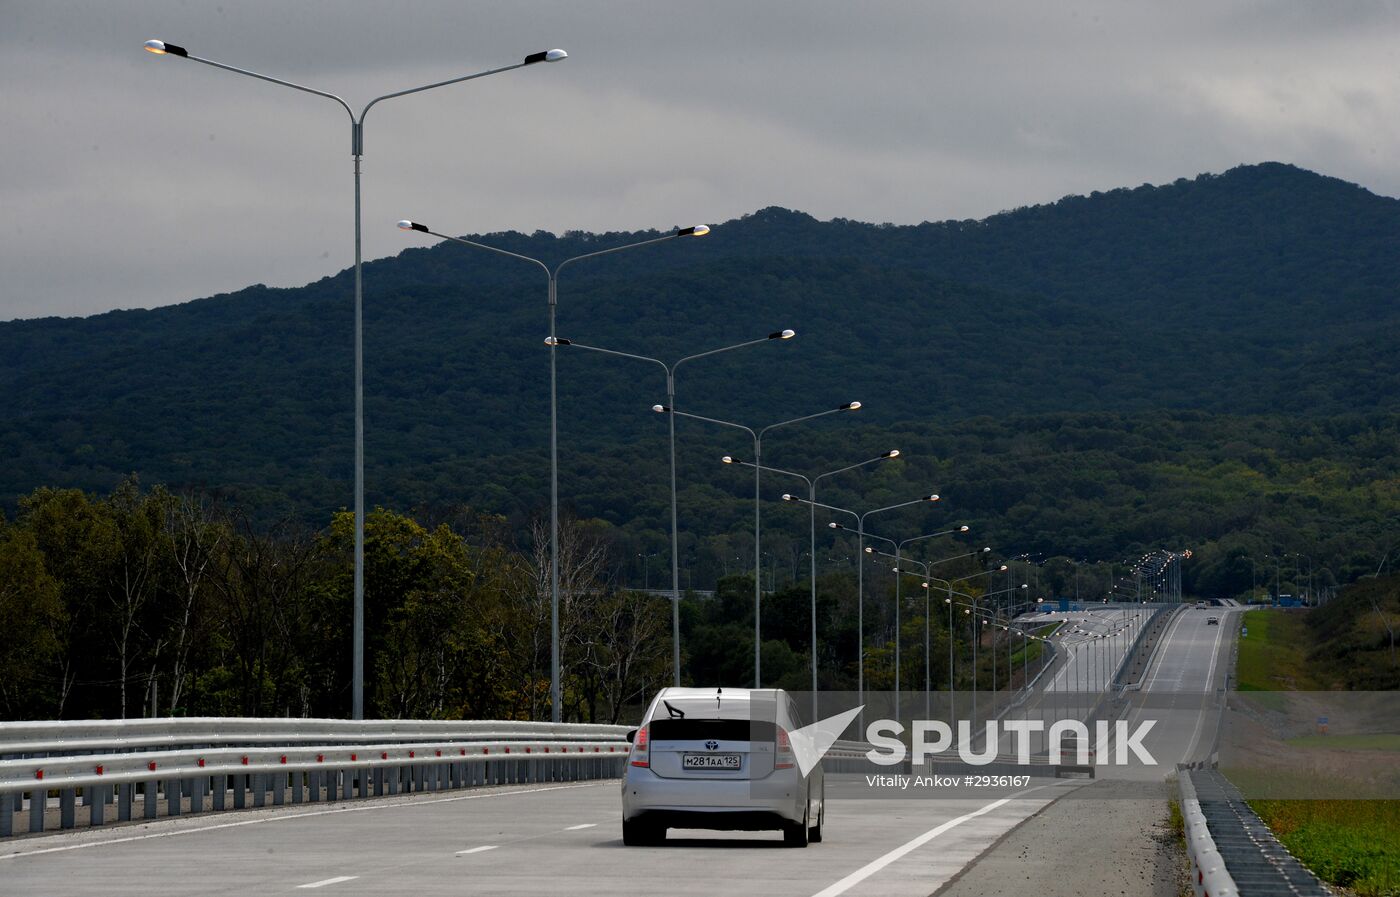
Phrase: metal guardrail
x=1232 y=851
x=217 y=764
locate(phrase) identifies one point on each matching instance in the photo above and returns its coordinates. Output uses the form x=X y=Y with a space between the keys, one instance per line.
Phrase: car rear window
x=707 y=729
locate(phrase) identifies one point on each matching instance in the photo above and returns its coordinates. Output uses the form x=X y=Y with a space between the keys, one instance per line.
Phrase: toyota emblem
x=712 y=745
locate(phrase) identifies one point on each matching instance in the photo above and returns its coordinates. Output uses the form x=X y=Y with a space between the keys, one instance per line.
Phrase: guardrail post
x=95 y=796
x=7 y=814
x=378 y=775
x=279 y=788
x=296 y=787
x=150 y=797
x=126 y=796
x=197 y=787
x=239 y=783
x=174 y=790
x=259 y=790
x=38 y=802
x=66 y=799
x=220 y=788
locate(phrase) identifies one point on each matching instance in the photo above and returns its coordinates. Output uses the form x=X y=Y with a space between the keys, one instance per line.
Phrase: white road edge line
x=360 y=808
x=574 y=828
x=328 y=881
x=879 y=863
x=482 y=849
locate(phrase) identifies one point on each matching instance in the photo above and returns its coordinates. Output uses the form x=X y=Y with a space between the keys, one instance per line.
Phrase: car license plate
x=711 y=761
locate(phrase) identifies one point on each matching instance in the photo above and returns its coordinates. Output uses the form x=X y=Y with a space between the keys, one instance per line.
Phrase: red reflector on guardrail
x=99 y=769
x=486 y=750
x=245 y=759
x=284 y=758
x=546 y=750
x=439 y=753
x=201 y=762
x=383 y=755
x=39 y=774
x=321 y=758
x=527 y=750
x=151 y=766
x=464 y=752
x=412 y=754
x=354 y=757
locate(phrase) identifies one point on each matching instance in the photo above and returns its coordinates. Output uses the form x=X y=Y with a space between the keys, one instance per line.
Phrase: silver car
x=719 y=758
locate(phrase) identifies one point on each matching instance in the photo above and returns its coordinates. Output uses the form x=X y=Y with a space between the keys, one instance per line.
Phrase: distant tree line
x=147 y=602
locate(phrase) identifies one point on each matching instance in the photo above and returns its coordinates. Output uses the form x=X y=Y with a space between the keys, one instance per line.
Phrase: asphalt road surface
x=566 y=839
x=561 y=840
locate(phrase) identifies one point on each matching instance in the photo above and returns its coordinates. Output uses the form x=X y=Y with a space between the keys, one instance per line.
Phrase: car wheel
x=814 y=834
x=636 y=833
x=795 y=833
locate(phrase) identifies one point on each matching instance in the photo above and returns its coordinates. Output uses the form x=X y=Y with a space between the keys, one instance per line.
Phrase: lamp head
x=869 y=550
x=924 y=584
x=660 y=409
x=892 y=453
x=834 y=525
x=787 y=497
x=160 y=48
x=987 y=549
x=727 y=459
x=412 y=225
x=698 y=230
x=964 y=528
x=934 y=497
x=849 y=406
x=545 y=56
x=556 y=341
x=782 y=334
x=1002 y=569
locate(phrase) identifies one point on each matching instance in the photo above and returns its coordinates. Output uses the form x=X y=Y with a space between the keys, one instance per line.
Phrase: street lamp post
x=670 y=370
x=757 y=436
x=812 y=507
x=161 y=48
x=898 y=589
x=860 y=578
x=553 y=342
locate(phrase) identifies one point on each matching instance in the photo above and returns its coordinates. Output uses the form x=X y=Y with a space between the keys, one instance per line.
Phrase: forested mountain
x=1232 y=337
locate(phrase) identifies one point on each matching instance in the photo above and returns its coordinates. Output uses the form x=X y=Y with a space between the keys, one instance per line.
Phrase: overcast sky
x=131 y=180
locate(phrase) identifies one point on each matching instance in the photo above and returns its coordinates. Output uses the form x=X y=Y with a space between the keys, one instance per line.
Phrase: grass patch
x=1273 y=657
x=1350 y=843
x=1370 y=742
x=1033 y=649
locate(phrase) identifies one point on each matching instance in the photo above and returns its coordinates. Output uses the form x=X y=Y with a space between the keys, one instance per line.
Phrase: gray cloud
x=130 y=180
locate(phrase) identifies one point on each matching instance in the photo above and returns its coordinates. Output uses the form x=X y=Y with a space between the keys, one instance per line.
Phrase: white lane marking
x=283 y=816
x=328 y=881
x=1166 y=640
x=482 y=849
x=574 y=828
x=1210 y=675
x=879 y=863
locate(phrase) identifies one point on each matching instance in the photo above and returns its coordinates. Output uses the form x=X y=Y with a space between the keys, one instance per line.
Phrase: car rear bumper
x=714 y=803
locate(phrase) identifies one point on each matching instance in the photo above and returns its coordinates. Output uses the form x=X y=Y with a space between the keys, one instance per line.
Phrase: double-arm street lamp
x=161 y=48
x=812 y=506
x=928 y=574
x=757 y=436
x=898 y=580
x=553 y=342
x=670 y=369
x=860 y=576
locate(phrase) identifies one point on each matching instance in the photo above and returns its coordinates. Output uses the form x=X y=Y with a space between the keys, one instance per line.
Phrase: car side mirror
x=631 y=735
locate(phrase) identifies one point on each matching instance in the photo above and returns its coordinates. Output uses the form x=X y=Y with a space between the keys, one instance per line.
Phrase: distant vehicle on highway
x=1201 y=604
x=1212 y=621
x=720 y=758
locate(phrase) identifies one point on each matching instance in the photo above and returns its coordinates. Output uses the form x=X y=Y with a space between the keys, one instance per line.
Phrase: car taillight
x=783 y=758
x=641 y=755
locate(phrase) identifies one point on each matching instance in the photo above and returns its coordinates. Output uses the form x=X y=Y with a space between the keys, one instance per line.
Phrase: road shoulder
x=1091 y=842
